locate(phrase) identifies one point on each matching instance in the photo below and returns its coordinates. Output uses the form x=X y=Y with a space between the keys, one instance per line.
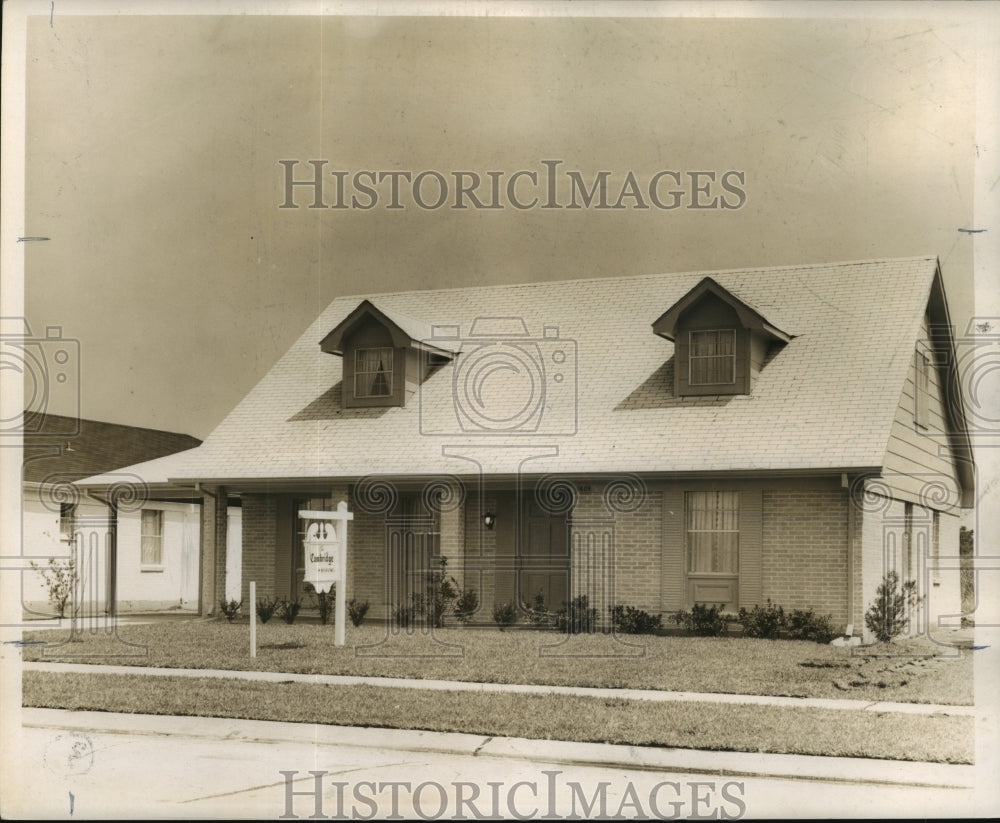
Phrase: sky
x=153 y=145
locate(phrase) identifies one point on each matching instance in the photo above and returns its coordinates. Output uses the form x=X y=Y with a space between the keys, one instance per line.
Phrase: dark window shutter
x=751 y=589
x=672 y=580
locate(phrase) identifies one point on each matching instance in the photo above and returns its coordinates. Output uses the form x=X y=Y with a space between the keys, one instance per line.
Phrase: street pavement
x=103 y=765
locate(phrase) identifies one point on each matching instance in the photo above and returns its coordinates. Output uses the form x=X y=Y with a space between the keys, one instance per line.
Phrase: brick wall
x=804 y=556
x=628 y=540
x=260 y=520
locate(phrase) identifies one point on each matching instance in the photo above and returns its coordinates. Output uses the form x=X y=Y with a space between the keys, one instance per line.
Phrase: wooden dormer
x=386 y=355
x=720 y=341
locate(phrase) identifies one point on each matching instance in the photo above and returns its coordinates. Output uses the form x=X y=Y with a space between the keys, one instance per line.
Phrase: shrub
x=763 y=621
x=629 y=620
x=805 y=624
x=505 y=614
x=325 y=601
x=889 y=614
x=577 y=617
x=703 y=621
x=289 y=610
x=230 y=609
x=441 y=592
x=403 y=616
x=539 y=615
x=466 y=605
x=266 y=607
x=61 y=580
x=357 y=611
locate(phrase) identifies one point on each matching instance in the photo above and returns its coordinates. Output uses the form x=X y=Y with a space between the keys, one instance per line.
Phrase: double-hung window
x=712 y=357
x=152 y=538
x=373 y=372
x=712 y=522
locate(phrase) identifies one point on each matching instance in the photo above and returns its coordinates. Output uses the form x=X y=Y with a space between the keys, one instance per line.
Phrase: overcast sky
x=153 y=148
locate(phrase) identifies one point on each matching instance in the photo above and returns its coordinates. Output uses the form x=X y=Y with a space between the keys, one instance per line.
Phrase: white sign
x=321 y=544
x=325 y=554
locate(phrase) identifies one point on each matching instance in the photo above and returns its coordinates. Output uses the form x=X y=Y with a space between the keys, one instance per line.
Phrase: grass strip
x=552 y=717
x=920 y=673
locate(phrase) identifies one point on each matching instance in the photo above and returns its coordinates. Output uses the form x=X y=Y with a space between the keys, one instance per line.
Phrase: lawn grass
x=557 y=717
x=919 y=672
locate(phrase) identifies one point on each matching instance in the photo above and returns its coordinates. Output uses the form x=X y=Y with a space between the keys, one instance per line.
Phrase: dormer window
x=386 y=355
x=373 y=372
x=712 y=359
x=721 y=342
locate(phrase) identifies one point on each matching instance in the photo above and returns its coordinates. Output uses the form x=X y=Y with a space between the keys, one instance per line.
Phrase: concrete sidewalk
x=467 y=686
x=713 y=763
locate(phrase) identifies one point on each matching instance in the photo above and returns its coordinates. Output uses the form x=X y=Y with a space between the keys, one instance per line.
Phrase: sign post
x=325 y=557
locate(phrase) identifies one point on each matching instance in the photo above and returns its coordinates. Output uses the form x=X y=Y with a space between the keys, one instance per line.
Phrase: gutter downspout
x=852 y=526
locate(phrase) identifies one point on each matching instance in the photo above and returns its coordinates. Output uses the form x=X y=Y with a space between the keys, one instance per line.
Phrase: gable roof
x=823 y=403
x=93 y=447
x=749 y=315
x=405 y=330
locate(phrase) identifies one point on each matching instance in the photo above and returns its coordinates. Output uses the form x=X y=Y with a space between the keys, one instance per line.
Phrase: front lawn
x=920 y=672
x=557 y=717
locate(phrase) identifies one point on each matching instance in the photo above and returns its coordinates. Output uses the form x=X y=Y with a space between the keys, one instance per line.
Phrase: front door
x=543 y=561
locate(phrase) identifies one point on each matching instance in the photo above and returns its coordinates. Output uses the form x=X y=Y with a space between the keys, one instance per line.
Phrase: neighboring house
x=157 y=540
x=658 y=441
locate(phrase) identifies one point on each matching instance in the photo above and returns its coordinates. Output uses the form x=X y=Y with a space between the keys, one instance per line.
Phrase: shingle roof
x=825 y=401
x=92 y=446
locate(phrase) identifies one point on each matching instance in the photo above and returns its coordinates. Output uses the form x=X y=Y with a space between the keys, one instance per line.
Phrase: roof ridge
x=690 y=272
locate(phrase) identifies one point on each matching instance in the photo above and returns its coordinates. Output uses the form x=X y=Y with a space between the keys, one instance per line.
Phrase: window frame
x=735 y=530
x=389 y=355
x=67 y=522
x=144 y=535
x=731 y=356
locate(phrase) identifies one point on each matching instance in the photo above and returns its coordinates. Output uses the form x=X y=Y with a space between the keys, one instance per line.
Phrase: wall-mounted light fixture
x=489 y=520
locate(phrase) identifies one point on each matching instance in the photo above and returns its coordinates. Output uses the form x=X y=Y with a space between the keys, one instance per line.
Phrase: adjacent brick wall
x=260 y=521
x=804 y=557
x=635 y=548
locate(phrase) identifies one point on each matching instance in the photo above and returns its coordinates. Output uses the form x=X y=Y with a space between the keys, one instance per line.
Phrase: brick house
x=716 y=437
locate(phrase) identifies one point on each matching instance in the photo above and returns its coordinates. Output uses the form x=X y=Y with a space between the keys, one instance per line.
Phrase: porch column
x=214 y=531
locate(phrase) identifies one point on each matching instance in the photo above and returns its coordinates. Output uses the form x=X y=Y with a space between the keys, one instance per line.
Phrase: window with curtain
x=67 y=520
x=373 y=372
x=712 y=357
x=152 y=537
x=712 y=522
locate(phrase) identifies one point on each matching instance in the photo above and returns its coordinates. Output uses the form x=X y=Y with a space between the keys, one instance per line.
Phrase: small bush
x=889 y=614
x=441 y=591
x=403 y=616
x=357 y=611
x=60 y=579
x=763 y=621
x=266 y=607
x=703 y=621
x=325 y=601
x=230 y=609
x=805 y=624
x=629 y=620
x=466 y=605
x=539 y=615
x=505 y=614
x=577 y=617
x=289 y=610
